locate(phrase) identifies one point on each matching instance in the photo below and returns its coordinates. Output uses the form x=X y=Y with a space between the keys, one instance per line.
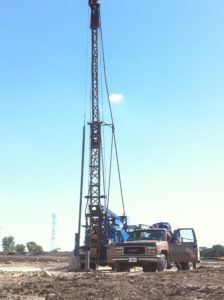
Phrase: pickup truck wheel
x=150 y=267
x=82 y=266
x=121 y=267
x=186 y=266
x=93 y=265
x=113 y=267
x=162 y=265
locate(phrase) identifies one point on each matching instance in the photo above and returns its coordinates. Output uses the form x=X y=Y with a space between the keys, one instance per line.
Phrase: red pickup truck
x=155 y=249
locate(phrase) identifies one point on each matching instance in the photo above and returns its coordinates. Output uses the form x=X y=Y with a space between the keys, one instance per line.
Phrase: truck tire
x=82 y=266
x=162 y=265
x=150 y=267
x=93 y=266
x=186 y=266
x=121 y=267
x=196 y=265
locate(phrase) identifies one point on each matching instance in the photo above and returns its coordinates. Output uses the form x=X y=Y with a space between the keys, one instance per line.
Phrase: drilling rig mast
x=95 y=216
x=101 y=225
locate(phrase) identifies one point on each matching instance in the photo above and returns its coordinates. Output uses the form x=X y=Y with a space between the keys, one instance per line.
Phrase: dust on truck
x=155 y=248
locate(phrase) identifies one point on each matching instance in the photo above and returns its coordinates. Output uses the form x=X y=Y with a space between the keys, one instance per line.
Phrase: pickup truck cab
x=155 y=249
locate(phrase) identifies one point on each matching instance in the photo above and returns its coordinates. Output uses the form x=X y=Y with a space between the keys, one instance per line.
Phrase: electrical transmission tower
x=53 y=231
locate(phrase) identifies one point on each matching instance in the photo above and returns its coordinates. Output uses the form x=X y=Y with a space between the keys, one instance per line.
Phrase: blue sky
x=166 y=60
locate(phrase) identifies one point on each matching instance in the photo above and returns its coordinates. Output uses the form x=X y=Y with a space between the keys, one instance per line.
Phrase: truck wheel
x=121 y=267
x=162 y=265
x=113 y=267
x=93 y=266
x=196 y=265
x=186 y=266
x=82 y=266
x=150 y=267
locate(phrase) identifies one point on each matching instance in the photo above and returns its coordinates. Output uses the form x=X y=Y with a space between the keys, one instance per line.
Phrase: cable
x=110 y=169
x=105 y=74
x=86 y=73
x=103 y=151
x=111 y=115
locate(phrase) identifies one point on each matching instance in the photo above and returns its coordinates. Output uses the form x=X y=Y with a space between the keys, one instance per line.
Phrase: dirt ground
x=47 y=280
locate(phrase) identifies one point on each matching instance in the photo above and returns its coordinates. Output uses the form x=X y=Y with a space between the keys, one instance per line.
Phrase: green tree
x=215 y=251
x=20 y=248
x=206 y=252
x=33 y=248
x=8 y=244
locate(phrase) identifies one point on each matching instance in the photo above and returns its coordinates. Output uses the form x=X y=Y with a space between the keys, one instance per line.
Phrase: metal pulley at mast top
x=95 y=17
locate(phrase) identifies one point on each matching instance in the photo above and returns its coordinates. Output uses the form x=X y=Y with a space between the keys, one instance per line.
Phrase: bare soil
x=50 y=279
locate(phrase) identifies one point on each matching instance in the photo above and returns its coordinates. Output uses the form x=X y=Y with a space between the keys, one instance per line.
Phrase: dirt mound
x=49 y=283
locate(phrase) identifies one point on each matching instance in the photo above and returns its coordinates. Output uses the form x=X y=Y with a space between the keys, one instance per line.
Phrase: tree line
x=9 y=245
x=214 y=251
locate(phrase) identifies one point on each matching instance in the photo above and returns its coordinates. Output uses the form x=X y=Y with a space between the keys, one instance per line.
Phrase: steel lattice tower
x=95 y=125
x=95 y=216
x=53 y=231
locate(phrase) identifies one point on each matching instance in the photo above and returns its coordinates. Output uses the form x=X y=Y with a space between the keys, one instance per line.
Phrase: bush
x=8 y=244
x=33 y=248
x=20 y=248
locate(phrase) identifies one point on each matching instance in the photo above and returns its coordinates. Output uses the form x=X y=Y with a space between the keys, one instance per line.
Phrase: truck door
x=183 y=246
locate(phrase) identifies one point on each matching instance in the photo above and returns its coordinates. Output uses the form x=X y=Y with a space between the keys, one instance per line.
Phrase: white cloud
x=116 y=97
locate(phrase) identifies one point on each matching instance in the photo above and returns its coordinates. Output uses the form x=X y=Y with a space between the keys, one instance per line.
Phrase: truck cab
x=155 y=249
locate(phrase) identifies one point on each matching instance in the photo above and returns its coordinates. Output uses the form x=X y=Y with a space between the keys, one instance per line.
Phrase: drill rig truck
x=108 y=240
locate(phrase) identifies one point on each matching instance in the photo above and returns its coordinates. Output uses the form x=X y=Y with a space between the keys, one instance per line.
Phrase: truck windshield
x=157 y=235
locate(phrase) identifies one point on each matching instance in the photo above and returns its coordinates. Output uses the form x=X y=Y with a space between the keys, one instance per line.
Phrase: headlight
x=151 y=249
x=118 y=250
